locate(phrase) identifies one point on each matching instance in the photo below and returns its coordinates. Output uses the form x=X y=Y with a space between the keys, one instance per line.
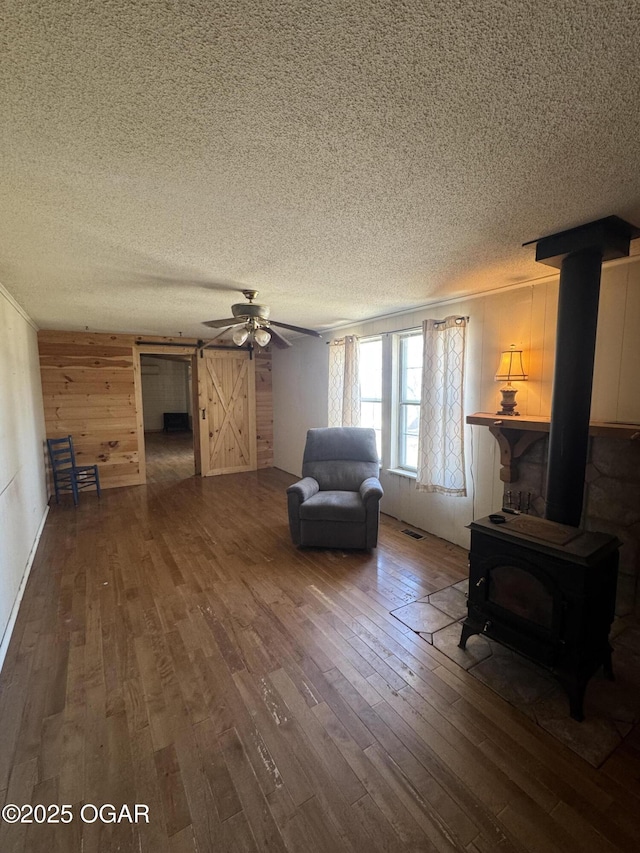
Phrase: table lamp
x=510 y=369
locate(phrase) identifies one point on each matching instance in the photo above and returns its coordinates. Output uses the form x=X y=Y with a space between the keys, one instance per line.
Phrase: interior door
x=227 y=422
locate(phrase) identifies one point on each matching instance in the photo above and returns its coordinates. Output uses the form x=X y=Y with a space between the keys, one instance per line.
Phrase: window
x=408 y=409
x=371 y=387
x=392 y=368
x=400 y=411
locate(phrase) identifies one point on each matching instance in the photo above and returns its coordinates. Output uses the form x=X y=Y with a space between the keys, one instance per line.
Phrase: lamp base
x=508 y=402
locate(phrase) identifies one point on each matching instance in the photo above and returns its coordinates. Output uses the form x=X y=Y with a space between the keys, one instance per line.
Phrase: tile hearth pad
x=611 y=708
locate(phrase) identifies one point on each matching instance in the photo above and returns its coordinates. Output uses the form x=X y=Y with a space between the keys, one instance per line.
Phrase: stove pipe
x=579 y=254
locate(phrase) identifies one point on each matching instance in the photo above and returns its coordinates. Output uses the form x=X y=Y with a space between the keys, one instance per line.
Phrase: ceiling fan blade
x=295 y=328
x=219 y=324
x=217 y=335
x=278 y=340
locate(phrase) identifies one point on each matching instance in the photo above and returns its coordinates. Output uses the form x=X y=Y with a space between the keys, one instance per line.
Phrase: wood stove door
x=520 y=603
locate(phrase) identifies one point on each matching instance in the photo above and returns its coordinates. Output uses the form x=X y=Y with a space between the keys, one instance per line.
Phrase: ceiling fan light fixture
x=240 y=336
x=262 y=337
x=252 y=323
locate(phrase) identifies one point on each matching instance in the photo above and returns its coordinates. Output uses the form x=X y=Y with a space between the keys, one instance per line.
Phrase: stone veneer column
x=612 y=502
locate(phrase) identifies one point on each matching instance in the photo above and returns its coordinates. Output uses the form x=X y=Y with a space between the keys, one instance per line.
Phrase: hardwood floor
x=169 y=456
x=173 y=649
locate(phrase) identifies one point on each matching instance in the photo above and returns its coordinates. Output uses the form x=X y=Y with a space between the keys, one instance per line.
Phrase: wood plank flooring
x=174 y=649
x=170 y=456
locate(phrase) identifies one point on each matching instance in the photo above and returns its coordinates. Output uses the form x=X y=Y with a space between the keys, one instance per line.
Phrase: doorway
x=167 y=415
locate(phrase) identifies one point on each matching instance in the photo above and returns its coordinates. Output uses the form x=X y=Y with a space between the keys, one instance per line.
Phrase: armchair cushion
x=334 y=506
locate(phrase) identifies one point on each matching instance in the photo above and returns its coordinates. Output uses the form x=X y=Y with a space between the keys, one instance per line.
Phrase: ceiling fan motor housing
x=249 y=310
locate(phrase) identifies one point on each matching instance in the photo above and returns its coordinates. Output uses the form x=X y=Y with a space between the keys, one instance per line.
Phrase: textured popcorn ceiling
x=346 y=159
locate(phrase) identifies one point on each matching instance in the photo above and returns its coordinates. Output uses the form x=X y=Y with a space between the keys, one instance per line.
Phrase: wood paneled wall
x=264 y=409
x=89 y=389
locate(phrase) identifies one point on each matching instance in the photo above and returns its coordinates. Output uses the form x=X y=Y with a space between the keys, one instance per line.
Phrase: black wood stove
x=548 y=591
x=543 y=586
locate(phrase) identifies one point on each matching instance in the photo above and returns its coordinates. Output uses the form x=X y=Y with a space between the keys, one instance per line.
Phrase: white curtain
x=344 y=382
x=441 y=465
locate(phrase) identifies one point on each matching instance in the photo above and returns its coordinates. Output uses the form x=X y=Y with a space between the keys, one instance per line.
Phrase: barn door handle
x=204 y=414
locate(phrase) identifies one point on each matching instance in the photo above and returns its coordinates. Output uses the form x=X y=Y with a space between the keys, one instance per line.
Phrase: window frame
x=379 y=400
x=401 y=402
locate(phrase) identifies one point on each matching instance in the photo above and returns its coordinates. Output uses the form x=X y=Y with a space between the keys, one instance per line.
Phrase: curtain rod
x=398 y=331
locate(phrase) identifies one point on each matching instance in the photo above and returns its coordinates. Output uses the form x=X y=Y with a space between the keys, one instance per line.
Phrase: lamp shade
x=510 y=367
x=240 y=336
x=262 y=337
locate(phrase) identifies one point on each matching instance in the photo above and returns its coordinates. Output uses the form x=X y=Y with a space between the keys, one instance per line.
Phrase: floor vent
x=412 y=534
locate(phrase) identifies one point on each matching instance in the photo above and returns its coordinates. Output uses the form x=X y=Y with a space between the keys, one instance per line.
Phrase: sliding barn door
x=227 y=424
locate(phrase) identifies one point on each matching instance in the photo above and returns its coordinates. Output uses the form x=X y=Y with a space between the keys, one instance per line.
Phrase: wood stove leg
x=467 y=631
x=575 y=685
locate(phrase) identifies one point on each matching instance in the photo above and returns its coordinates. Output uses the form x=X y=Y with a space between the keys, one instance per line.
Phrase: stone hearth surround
x=612 y=502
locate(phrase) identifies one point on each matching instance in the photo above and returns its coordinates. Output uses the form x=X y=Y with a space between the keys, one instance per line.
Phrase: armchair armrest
x=296 y=494
x=371 y=490
x=304 y=489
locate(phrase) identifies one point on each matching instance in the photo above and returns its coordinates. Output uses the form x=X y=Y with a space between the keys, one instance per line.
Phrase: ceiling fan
x=253 y=324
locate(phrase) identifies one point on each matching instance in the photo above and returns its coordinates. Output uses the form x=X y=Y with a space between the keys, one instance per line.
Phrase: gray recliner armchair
x=337 y=503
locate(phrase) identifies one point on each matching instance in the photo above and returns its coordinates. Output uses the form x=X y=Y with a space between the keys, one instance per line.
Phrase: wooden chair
x=67 y=476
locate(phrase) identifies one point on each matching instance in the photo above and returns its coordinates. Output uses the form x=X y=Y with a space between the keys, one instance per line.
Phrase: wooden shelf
x=539 y=424
x=516 y=434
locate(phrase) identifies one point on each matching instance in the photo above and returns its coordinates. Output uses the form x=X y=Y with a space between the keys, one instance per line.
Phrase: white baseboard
x=6 y=637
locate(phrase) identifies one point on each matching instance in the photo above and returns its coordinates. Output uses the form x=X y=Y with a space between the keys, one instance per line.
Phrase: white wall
x=300 y=398
x=616 y=389
x=164 y=391
x=23 y=492
x=525 y=316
